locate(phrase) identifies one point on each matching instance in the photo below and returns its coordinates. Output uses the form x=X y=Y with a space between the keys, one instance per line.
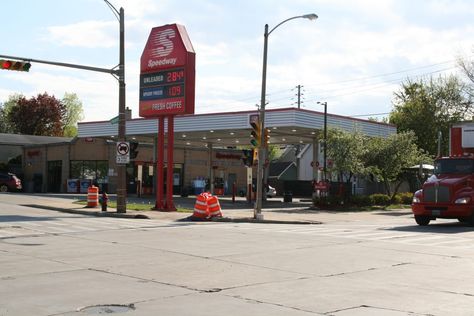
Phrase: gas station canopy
x=229 y=129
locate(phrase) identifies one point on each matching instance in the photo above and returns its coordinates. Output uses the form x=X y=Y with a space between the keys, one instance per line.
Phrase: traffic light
x=133 y=150
x=266 y=137
x=255 y=155
x=248 y=157
x=256 y=133
x=14 y=65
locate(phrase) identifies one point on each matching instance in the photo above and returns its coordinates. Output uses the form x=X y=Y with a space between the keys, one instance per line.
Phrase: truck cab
x=448 y=193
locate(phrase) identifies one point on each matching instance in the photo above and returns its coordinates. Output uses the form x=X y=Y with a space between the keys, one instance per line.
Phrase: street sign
x=167 y=73
x=114 y=120
x=123 y=152
x=321 y=185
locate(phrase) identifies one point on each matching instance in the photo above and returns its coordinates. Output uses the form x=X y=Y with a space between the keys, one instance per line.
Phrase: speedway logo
x=161 y=46
x=161 y=62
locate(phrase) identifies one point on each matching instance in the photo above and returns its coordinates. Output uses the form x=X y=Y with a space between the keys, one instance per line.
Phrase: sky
x=354 y=56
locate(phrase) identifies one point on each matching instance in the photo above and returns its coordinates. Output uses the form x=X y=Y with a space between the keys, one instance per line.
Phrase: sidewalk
x=300 y=211
x=240 y=211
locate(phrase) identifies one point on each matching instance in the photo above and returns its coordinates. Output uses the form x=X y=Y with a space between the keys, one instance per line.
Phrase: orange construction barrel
x=92 y=196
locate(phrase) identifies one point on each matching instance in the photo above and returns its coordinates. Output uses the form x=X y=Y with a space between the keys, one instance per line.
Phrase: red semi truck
x=449 y=192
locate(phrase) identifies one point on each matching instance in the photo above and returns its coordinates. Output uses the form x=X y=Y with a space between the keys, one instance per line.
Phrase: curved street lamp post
x=121 y=168
x=261 y=148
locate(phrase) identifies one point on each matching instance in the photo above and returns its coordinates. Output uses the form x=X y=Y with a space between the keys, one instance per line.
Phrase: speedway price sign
x=167 y=73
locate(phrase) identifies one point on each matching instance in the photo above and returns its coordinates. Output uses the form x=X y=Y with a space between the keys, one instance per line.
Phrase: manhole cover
x=107 y=309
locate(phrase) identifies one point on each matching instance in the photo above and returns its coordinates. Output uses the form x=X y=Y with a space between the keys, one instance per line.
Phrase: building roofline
x=254 y=111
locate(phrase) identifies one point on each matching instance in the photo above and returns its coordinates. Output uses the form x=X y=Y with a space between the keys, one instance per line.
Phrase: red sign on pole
x=167 y=73
x=321 y=185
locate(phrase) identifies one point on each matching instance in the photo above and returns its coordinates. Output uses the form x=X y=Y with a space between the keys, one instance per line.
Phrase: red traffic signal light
x=14 y=65
x=6 y=64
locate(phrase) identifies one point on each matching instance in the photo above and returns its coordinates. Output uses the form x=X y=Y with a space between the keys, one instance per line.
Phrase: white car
x=271 y=192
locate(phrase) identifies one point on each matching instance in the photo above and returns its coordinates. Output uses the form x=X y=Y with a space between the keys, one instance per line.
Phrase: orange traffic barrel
x=200 y=207
x=214 y=206
x=92 y=196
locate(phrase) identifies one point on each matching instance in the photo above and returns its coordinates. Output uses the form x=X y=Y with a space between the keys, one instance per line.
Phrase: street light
x=262 y=150
x=325 y=137
x=121 y=183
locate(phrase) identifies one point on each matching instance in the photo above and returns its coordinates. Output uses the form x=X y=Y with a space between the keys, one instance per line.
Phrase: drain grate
x=107 y=309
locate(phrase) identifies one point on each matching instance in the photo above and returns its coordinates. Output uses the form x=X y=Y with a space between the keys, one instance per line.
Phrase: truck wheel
x=470 y=220
x=422 y=220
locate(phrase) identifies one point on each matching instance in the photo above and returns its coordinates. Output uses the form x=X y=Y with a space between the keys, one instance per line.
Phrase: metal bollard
x=104 y=201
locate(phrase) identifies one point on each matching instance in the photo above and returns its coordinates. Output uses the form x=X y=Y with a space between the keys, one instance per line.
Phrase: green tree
x=429 y=106
x=73 y=114
x=386 y=158
x=274 y=152
x=40 y=115
x=5 y=108
x=347 y=151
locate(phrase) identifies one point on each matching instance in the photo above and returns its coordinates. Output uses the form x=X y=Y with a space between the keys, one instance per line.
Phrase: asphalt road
x=54 y=263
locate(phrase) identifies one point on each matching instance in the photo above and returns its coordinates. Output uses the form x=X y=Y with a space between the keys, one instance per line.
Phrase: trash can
x=185 y=191
x=288 y=197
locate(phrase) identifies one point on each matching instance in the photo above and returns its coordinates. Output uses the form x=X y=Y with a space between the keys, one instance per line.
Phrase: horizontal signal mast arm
x=97 y=69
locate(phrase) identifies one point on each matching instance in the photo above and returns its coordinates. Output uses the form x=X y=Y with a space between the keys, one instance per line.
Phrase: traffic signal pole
x=121 y=168
x=119 y=73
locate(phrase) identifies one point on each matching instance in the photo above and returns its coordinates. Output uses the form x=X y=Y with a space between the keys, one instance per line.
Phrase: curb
x=187 y=219
x=262 y=221
x=90 y=213
x=247 y=220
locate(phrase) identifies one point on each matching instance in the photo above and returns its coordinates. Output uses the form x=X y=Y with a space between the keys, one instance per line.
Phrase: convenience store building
x=207 y=150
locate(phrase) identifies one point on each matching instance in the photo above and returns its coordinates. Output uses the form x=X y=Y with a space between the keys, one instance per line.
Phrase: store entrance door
x=231 y=179
x=54 y=176
x=177 y=177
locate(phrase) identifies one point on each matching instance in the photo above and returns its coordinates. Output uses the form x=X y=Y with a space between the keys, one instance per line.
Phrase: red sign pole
x=169 y=173
x=160 y=163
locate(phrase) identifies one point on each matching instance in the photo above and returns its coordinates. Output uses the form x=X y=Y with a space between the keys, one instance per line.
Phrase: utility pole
x=299 y=96
x=121 y=168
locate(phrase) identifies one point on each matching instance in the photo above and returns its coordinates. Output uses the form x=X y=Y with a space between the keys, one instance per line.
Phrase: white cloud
x=84 y=34
x=142 y=8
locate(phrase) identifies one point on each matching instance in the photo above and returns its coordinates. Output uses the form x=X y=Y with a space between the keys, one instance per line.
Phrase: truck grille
x=436 y=194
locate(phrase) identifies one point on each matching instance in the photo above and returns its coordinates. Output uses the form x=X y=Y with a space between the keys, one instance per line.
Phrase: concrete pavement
x=369 y=263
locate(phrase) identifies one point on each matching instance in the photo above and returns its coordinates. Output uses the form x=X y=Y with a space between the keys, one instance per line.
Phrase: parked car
x=9 y=182
x=271 y=192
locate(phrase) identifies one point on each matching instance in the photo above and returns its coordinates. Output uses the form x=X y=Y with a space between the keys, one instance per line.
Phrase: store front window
x=89 y=172
x=88 y=169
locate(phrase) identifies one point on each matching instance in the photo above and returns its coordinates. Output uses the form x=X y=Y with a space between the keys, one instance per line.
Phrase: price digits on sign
x=162 y=77
x=175 y=76
x=162 y=84
x=174 y=91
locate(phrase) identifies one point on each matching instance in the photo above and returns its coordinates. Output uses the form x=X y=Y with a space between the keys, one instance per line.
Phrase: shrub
x=379 y=199
x=327 y=201
x=360 y=200
x=397 y=199
x=405 y=197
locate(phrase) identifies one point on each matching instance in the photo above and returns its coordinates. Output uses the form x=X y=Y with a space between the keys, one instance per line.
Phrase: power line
x=363 y=86
x=373 y=86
